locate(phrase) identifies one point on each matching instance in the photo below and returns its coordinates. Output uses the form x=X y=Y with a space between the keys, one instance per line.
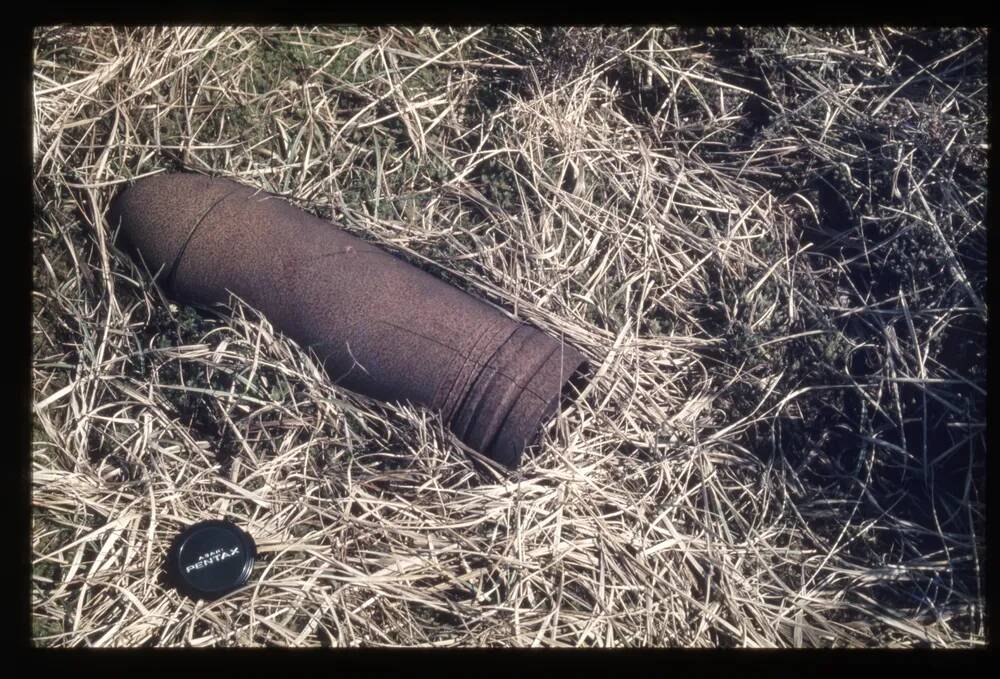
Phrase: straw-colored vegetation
x=771 y=244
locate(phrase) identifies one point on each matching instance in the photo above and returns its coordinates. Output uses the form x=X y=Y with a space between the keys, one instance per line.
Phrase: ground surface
x=771 y=244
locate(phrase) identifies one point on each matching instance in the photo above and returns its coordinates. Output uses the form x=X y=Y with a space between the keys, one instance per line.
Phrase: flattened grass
x=770 y=242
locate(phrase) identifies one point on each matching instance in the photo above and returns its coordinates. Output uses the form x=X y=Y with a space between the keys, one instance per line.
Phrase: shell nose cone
x=158 y=214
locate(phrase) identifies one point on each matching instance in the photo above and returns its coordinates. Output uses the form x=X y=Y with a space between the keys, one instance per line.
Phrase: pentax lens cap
x=210 y=559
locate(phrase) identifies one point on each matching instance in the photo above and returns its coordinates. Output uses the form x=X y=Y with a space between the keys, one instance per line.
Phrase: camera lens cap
x=209 y=559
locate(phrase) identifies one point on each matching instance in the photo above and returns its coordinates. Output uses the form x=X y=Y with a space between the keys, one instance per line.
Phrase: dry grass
x=771 y=244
